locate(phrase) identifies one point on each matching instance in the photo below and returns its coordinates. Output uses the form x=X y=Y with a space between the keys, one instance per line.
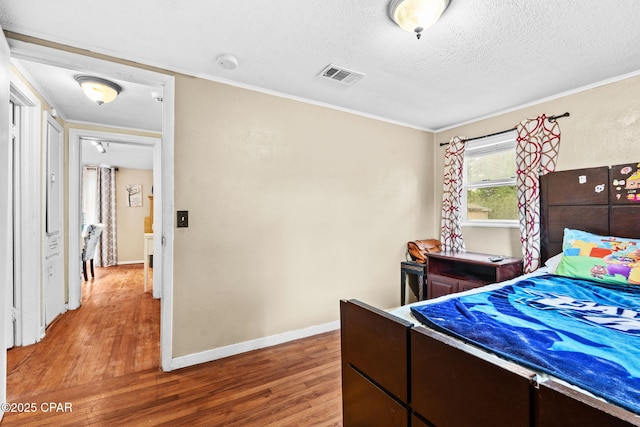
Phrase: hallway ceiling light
x=416 y=15
x=99 y=146
x=98 y=90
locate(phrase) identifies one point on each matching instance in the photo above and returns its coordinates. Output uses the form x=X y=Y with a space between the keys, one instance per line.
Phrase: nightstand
x=450 y=272
x=415 y=274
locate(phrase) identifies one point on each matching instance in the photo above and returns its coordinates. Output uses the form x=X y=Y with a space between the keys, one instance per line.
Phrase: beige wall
x=130 y=220
x=603 y=129
x=291 y=207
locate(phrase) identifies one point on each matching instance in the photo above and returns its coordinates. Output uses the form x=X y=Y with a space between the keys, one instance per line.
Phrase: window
x=489 y=188
x=89 y=195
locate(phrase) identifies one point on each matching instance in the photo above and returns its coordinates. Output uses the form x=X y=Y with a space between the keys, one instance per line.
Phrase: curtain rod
x=97 y=167
x=551 y=119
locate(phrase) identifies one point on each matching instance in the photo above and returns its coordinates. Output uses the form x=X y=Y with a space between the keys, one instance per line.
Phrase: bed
x=398 y=370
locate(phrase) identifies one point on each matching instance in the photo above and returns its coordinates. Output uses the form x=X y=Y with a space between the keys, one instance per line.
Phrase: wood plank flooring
x=102 y=361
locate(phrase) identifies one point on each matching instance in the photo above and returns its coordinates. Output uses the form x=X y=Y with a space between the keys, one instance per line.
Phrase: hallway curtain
x=450 y=232
x=538 y=142
x=107 y=254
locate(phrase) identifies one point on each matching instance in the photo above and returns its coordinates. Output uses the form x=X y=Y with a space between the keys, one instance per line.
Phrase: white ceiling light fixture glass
x=98 y=90
x=416 y=15
x=99 y=146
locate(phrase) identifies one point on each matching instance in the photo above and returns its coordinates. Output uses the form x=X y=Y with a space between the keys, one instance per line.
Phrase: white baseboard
x=130 y=262
x=243 y=347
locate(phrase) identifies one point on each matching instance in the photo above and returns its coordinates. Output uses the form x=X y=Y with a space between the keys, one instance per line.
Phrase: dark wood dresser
x=449 y=272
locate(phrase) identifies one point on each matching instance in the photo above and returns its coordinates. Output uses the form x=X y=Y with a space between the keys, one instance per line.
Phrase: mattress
x=585 y=334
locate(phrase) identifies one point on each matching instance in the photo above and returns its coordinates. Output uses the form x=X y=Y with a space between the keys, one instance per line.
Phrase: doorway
x=27 y=199
x=76 y=136
x=163 y=179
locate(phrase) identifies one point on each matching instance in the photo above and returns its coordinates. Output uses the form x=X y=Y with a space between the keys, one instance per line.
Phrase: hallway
x=115 y=332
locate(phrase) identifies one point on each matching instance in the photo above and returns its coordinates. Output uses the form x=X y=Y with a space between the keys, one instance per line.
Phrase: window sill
x=491 y=224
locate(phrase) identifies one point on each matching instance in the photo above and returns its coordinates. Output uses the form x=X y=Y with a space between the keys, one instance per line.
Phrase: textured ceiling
x=134 y=108
x=481 y=58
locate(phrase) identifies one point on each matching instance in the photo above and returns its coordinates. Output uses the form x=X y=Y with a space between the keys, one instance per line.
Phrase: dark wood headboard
x=602 y=200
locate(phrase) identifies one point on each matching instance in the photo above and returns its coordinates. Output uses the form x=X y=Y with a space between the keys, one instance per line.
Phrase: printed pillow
x=605 y=259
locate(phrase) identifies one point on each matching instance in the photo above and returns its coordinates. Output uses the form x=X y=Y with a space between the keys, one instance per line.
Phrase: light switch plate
x=183 y=218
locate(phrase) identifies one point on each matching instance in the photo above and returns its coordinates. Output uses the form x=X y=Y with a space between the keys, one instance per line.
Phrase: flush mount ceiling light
x=416 y=15
x=98 y=90
x=99 y=147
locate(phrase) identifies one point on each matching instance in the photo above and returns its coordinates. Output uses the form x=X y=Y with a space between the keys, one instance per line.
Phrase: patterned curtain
x=450 y=232
x=537 y=148
x=106 y=212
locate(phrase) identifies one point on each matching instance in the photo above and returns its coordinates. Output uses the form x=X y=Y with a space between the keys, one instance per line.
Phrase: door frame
x=75 y=205
x=29 y=326
x=6 y=200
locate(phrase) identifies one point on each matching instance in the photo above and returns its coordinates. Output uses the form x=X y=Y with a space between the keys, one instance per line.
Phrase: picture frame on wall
x=134 y=195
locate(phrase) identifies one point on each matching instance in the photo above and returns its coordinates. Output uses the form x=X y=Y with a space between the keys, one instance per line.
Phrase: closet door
x=54 y=259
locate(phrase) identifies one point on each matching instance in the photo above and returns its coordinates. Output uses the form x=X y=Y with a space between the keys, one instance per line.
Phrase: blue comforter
x=575 y=330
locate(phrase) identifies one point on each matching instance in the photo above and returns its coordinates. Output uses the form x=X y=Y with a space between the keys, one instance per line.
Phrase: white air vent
x=340 y=74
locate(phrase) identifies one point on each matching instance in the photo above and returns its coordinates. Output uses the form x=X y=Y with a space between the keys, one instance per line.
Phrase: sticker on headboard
x=582 y=179
x=599 y=188
x=625 y=185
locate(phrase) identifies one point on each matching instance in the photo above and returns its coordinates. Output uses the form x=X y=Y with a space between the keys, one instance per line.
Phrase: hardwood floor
x=100 y=365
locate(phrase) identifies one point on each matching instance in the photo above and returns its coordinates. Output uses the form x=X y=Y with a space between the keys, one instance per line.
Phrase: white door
x=54 y=254
x=6 y=204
